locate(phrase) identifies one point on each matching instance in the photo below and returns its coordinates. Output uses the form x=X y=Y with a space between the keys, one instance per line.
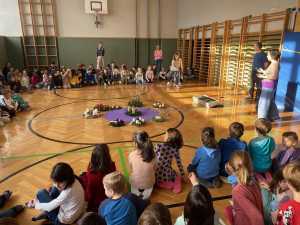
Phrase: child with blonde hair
x=289 y=212
x=120 y=207
x=139 y=76
x=246 y=195
x=149 y=75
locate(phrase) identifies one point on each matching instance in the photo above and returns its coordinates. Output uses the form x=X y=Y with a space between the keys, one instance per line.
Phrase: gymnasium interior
x=64 y=121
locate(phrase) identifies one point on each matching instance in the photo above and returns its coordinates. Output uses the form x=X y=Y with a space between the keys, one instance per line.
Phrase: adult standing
x=100 y=56
x=158 y=57
x=260 y=60
x=176 y=70
x=266 y=106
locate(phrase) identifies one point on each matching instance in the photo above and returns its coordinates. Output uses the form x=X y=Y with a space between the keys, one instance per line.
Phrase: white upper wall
x=201 y=12
x=10 y=24
x=72 y=21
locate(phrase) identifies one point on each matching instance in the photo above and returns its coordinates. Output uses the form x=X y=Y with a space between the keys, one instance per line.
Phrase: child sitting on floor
x=206 y=162
x=156 y=214
x=149 y=76
x=120 y=207
x=139 y=76
x=25 y=81
x=231 y=144
x=116 y=75
x=162 y=74
x=166 y=177
x=92 y=180
x=290 y=152
x=75 y=79
x=66 y=77
x=273 y=195
x=20 y=102
x=7 y=104
x=64 y=202
x=124 y=74
x=289 y=212
x=198 y=206
x=260 y=149
x=142 y=164
x=247 y=205
x=46 y=80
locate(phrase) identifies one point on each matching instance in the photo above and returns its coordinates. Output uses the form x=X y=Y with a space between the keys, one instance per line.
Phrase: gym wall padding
x=288 y=88
x=75 y=50
x=3 y=54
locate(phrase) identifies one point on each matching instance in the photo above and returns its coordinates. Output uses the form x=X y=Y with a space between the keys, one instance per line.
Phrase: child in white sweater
x=64 y=203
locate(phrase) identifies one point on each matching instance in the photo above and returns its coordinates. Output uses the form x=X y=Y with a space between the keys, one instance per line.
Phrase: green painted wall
x=14 y=51
x=73 y=51
x=122 y=50
x=3 y=53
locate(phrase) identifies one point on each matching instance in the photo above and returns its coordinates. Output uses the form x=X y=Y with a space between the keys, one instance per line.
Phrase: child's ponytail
x=144 y=144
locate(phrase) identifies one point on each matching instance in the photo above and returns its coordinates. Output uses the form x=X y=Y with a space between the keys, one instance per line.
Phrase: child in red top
x=289 y=212
x=100 y=165
x=247 y=200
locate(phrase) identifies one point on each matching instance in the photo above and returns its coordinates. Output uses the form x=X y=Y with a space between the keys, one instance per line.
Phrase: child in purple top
x=290 y=153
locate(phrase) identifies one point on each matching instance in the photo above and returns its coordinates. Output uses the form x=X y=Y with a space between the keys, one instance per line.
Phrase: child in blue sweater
x=121 y=207
x=206 y=162
x=260 y=149
x=231 y=144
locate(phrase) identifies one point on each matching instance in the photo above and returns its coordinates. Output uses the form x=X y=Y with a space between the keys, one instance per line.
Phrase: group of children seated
x=63 y=77
x=265 y=181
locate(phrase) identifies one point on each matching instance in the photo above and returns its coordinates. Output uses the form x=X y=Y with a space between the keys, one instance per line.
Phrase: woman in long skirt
x=267 y=108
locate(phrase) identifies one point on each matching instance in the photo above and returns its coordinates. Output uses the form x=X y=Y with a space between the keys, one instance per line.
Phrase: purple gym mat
x=147 y=114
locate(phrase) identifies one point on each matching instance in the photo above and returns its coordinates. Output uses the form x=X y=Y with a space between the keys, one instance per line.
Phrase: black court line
x=87 y=143
x=40 y=161
x=80 y=148
x=108 y=98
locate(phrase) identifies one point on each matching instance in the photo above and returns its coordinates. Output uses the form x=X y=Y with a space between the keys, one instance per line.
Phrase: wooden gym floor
x=54 y=130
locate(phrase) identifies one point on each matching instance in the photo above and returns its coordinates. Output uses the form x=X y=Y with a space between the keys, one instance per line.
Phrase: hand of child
x=264 y=185
x=193 y=178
